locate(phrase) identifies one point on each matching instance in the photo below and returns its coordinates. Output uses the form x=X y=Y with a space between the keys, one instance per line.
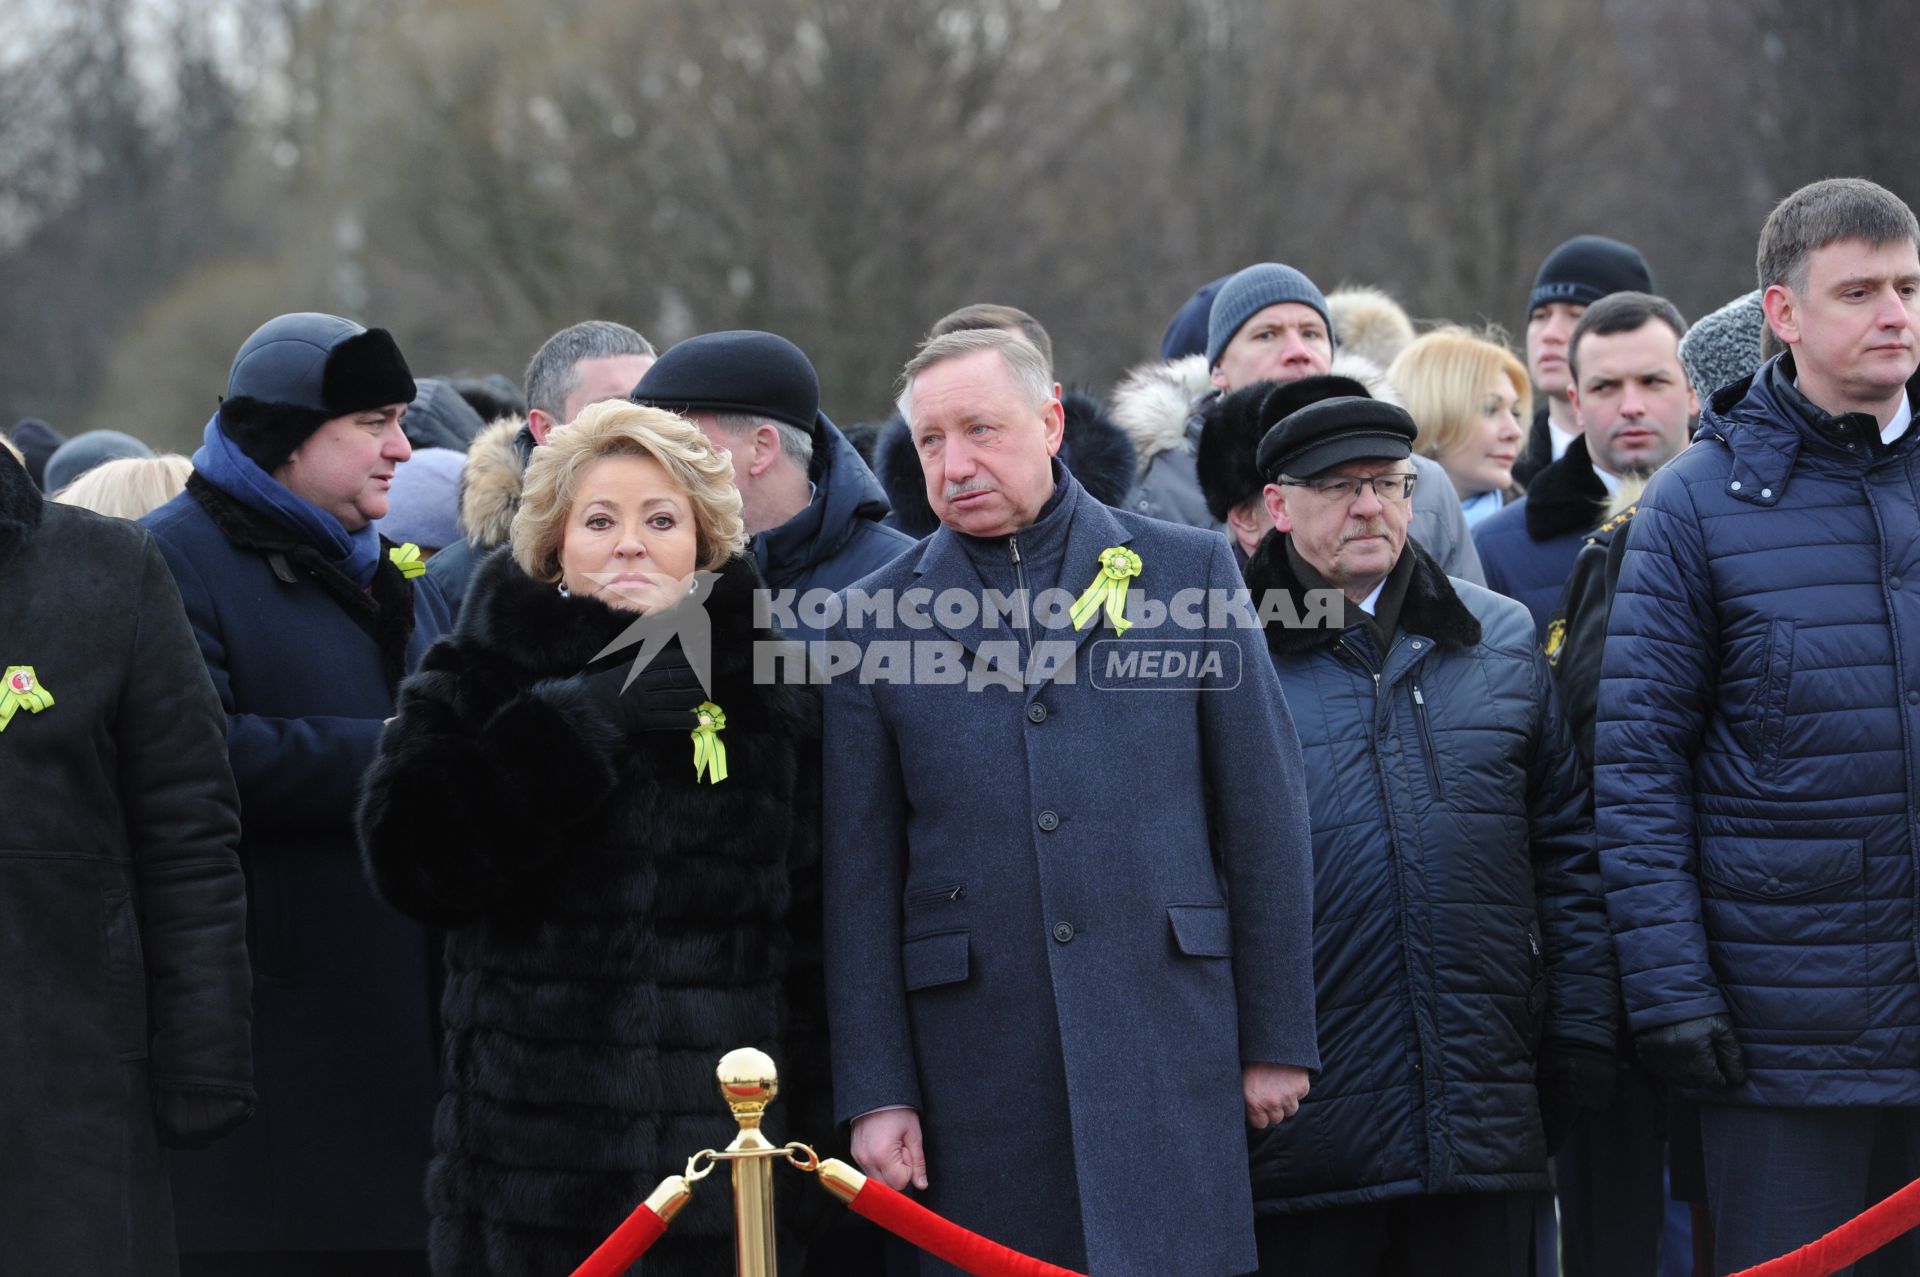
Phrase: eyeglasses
x=1388 y=487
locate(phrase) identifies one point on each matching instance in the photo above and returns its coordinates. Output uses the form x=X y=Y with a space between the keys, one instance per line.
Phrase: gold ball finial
x=748 y=1083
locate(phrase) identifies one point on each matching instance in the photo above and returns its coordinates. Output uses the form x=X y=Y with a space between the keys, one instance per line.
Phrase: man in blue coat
x=307 y=624
x=810 y=503
x=1068 y=893
x=1461 y=952
x=1634 y=405
x=1758 y=743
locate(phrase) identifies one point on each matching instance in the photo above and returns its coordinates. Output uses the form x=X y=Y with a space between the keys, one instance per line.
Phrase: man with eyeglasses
x=1463 y=971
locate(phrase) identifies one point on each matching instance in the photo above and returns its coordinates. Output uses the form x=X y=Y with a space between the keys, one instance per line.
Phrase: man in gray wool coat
x=1068 y=895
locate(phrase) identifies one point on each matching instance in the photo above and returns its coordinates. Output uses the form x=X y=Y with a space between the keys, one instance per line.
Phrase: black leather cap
x=1322 y=435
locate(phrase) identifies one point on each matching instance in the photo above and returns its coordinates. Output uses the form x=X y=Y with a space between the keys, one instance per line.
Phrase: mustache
x=952 y=490
x=1372 y=528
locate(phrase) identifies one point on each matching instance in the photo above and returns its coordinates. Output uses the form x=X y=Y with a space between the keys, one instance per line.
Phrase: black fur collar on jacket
x=1097 y=452
x=384 y=609
x=20 y=505
x=1566 y=496
x=1431 y=606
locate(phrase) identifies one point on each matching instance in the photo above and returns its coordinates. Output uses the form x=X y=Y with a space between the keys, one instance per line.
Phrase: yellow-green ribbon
x=20 y=690
x=407 y=559
x=1118 y=565
x=709 y=751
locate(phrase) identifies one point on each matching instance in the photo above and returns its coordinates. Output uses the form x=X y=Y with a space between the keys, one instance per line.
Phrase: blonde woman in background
x=1469 y=395
x=129 y=487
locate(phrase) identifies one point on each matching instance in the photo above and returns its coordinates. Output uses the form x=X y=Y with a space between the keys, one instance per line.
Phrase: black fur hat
x=299 y=371
x=1234 y=425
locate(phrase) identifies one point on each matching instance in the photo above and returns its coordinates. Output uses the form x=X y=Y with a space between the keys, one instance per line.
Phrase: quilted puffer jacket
x=1756 y=757
x=1458 y=919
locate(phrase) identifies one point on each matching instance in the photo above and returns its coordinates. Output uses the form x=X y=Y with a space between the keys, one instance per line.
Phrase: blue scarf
x=221 y=463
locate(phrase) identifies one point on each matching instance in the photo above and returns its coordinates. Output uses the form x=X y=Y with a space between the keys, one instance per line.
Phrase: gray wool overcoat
x=1061 y=916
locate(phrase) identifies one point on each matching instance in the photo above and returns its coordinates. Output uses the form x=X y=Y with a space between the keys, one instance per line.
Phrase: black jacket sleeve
x=478 y=782
x=183 y=828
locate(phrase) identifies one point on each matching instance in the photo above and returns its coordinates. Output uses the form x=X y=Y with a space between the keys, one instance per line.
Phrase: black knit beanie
x=1587 y=268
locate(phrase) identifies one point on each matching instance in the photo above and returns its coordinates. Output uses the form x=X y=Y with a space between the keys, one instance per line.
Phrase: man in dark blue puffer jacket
x=1463 y=972
x=1757 y=754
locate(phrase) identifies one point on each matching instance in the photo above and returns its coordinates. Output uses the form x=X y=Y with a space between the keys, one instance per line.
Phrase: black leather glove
x=194 y=1117
x=1694 y=1055
x=661 y=698
x=1572 y=1079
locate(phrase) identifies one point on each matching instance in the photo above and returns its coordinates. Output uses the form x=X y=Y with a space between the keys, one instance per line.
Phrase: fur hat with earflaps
x=298 y=372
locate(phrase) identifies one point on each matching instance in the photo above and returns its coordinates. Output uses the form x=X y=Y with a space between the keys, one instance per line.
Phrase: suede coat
x=123 y=1009
x=615 y=926
x=306 y=665
x=1458 y=915
x=1062 y=913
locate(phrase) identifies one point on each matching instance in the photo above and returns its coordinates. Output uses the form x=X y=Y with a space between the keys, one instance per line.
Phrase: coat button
x=1913 y=698
x=1063 y=931
x=1049 y=821
x=1894 y=584
x=1766 y=492
x=1036 y=713
x=1735 y=485
x=1773 y=885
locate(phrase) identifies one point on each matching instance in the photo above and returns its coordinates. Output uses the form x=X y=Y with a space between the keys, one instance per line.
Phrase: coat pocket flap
x=1780 y=869
x=1201 y=931
x=933 y=960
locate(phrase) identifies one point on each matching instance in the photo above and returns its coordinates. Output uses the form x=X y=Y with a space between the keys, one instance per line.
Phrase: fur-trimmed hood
x=1431 y=608
x=1157 y=404
x=1094 y=449
x=20 y=503
x=1153 y=403
x=490 y=485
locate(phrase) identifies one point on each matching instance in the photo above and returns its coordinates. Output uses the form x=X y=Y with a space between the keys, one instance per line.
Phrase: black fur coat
x=614 y=926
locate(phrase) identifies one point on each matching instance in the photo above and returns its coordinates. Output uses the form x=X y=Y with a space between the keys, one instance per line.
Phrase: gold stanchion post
x=748 y=1083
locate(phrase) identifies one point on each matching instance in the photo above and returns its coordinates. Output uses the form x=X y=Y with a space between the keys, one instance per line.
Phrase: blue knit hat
x=1252 y=291
x=423 y=505
x=85 y=451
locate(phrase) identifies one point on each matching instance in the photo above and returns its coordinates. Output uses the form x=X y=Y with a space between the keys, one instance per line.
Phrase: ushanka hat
x=298 y=372
x=1230 y=434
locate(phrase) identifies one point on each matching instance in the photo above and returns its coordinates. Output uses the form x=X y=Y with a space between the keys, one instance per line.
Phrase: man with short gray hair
x=585 y=363
x=1067 y=894
x=1758 y=743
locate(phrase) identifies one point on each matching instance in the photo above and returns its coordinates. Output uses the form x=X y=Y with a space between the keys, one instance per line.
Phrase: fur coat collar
x=1431 y=606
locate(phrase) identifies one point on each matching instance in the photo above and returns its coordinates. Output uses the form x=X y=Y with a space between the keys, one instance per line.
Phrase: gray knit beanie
x=1252 y=291
x=1723 y=347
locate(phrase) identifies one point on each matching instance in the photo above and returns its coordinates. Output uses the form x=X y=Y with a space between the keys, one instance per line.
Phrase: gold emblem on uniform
x=1556 y=639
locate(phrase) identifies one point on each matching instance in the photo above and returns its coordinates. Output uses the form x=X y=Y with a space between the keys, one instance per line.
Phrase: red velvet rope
x=1853 y=1240
x=942 y=1238
x=626 y=1244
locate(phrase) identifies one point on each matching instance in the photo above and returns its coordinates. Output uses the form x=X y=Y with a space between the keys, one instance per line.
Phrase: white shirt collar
x=1902 y=418
x=1373 y=600
x=1561 y=439
x=1612 y=481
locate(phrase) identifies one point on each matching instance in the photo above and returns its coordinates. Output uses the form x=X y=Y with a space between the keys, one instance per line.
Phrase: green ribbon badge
x=1118 y=565
x=407 y=559
x=21 y=690
x=709 y=751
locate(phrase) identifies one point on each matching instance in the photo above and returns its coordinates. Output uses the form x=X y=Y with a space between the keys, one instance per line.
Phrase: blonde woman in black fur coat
x=618 y=913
